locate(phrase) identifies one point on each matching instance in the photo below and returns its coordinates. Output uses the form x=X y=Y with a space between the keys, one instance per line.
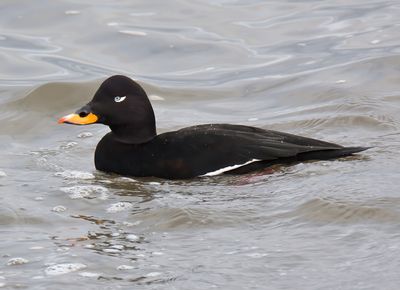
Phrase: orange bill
x=78 y=120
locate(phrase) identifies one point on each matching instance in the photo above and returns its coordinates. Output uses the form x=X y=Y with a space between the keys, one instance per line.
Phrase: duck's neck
x=134 y=134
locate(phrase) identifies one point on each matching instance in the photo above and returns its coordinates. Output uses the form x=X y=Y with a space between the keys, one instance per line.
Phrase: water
x=324 y=69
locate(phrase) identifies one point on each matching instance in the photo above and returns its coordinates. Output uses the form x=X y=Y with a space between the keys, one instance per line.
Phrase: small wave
x=38 y=110
x=176 y=218
x=335 y=211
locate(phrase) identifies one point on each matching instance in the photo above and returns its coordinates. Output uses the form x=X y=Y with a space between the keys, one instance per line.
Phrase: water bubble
x=60 y=269
x=59 y=208
x=119 y=206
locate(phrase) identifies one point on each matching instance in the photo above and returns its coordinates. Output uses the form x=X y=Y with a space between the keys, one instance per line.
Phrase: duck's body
x=133 y=148
x=207 y=150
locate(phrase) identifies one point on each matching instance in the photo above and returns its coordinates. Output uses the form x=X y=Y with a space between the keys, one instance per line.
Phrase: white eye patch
x=119 y=99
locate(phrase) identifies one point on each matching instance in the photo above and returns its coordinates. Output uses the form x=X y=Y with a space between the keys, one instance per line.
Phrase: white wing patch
x=228 y=168
x=119 y=99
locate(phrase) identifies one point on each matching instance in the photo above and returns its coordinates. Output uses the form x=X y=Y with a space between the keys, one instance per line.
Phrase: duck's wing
x=211 y=148
x=253 y=142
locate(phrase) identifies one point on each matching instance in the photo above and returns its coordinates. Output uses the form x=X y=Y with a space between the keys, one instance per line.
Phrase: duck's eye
x=119 y=99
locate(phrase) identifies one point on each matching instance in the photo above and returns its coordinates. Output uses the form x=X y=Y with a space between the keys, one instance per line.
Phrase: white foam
x=125 y=179
x=119 y=206
x=17 y=261
x=60 y=269
x=2 y=174
x=82 y=191
x=229 y=168
x=74 y=174
x=89 y=274
x=68 y=145
x=154 y=183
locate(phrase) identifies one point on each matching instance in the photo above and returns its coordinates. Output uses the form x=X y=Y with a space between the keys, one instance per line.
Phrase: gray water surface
x=322 y=69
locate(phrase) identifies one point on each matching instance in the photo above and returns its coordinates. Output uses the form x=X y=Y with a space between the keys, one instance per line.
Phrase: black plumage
x=133 y=148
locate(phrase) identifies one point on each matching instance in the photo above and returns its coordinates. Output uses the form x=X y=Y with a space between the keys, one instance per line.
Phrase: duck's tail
x=314 y=155
x=330 y=154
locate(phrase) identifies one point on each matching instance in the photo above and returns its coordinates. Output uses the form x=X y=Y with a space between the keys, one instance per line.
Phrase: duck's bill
x=78 y=120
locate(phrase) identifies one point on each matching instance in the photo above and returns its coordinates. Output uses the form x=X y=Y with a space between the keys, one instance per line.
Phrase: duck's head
x=121 y=104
